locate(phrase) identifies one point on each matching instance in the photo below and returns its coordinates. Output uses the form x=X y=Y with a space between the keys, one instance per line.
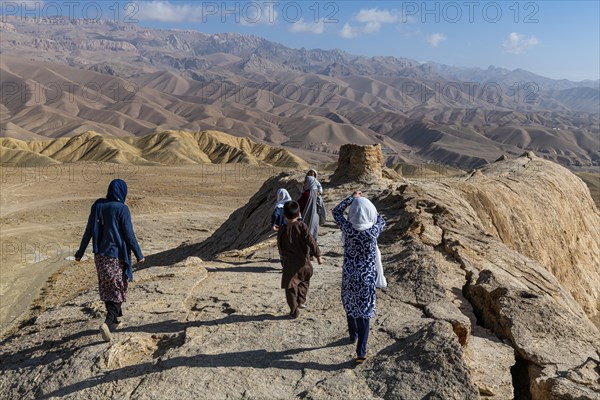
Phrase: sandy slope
x=44 y=211
x=159 y=148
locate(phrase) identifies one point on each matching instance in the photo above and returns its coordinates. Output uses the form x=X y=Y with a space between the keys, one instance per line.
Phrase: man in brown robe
x=295 y=244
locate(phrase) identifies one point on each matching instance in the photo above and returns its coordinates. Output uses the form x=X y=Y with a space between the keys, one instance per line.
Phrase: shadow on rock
x=244 y=359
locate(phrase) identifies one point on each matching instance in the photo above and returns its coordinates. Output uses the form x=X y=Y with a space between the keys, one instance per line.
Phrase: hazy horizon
x=558 y=40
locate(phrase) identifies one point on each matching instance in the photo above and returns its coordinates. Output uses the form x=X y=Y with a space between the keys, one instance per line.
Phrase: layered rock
x=479 y=253
x=492 y=227
x=359 y=164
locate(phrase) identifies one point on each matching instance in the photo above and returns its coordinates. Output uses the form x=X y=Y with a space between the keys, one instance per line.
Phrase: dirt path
x=227 y=330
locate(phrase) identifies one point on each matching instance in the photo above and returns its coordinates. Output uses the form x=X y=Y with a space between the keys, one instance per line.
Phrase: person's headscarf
x=282 y=197
x=310 y=183
x=117 y=191
x=362 y=214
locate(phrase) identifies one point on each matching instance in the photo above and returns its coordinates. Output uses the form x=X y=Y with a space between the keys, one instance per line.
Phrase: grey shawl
x=310 y=216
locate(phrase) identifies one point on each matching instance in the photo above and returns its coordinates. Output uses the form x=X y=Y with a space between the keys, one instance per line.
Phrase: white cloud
x=371 y=20
x=165 y=11
x=435 y=39
x=372 y=27
x=315 y=28
x=248 y=14
x=349 y=32
x=518 y=43
x=376 y=15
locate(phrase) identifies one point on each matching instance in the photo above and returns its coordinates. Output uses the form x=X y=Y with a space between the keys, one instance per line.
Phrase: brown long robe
x=294 y=242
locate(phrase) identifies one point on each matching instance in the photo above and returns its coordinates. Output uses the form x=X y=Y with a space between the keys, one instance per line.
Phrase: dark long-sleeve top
x=294 y=242
x=115 y=234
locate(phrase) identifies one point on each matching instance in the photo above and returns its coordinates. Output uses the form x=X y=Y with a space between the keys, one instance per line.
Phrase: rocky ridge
x=470 y=311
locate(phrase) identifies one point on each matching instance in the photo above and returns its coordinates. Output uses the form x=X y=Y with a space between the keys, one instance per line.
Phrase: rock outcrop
x=357 y=163
x=251 y=224
x=492 y=228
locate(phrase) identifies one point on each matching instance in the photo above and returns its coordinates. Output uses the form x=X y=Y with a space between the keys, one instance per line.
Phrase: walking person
x=313 y=173
x=111 y=231
x=320 y=204
x=308 y=206
x=277 y=218
x=359 y=273
x=294 y=241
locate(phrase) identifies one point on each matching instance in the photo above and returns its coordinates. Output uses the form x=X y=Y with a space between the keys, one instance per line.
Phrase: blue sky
x=558 y=39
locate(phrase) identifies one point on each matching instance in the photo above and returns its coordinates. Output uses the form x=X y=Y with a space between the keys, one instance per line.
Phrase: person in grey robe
x=308 y=206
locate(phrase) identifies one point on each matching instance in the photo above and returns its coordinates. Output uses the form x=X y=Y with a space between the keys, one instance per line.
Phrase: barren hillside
x=161 y=148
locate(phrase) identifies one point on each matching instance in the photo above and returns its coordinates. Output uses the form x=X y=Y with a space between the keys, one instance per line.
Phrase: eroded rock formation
x=359 y=164
x=506 y=256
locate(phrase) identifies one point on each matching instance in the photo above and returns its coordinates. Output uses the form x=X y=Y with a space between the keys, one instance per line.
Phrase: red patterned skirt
x=112 y=283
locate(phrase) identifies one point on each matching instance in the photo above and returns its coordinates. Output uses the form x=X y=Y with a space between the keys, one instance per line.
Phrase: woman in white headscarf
x=277 y=218
x=320 y=204
x=360 y=232
x=313 y=173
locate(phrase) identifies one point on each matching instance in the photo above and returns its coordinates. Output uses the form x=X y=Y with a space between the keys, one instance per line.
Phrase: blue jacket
x=277 y=218
x=110 y=228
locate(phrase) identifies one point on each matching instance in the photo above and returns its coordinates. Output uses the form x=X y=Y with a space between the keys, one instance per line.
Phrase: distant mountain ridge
x=508 y=77
x=311 y=101
x=196 y=43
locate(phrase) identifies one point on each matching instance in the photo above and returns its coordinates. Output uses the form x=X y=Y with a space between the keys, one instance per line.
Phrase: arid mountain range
x=161 y=148
x=62 y=78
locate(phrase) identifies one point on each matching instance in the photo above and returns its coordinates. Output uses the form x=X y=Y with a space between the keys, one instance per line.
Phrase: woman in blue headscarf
x=110 y=229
